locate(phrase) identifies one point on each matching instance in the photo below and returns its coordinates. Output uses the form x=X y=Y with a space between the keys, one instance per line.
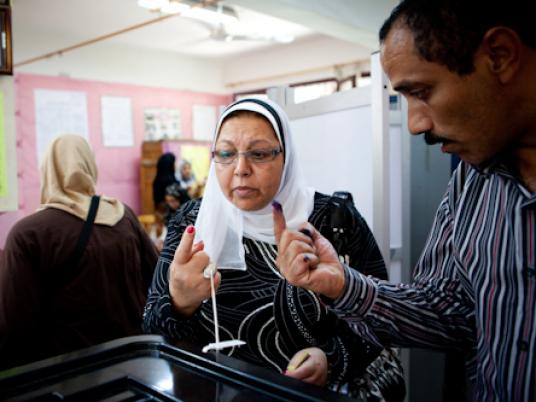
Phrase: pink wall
x=118 y=167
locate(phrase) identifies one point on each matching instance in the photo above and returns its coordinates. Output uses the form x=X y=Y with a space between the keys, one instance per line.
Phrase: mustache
x=432 y=138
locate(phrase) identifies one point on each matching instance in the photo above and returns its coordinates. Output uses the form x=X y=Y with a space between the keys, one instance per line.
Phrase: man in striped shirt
x=468 y=71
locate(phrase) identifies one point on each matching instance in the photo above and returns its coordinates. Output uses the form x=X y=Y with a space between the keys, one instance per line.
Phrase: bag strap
x=69 y=270
x=85 y=233
x=339 y=221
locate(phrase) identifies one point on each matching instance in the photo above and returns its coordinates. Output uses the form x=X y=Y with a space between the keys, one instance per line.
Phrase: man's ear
x=502 y=49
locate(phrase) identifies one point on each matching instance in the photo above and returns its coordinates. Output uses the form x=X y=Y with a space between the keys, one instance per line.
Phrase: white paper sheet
x=204 y=122
x=57 y=113
x=116 y=115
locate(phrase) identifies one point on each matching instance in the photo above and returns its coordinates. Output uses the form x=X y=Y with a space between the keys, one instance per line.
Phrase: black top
x=102 y=300
x=165 y=176
x=260 y=307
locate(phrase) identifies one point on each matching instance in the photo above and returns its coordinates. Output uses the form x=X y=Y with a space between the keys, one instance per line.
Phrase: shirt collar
x=502 y=166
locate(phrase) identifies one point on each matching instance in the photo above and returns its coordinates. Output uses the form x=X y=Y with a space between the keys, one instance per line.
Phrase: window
x=347 y=83
x=257 y=94
x=313 y=90
x=364 y=79
x=306 y=91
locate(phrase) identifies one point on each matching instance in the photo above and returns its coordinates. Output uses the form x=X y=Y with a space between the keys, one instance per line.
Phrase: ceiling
x=76 y=21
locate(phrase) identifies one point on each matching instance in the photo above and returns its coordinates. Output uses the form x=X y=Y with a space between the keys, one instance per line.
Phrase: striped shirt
x=474 y=286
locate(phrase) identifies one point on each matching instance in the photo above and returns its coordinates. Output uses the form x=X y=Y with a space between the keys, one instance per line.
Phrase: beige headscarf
x=68 y=180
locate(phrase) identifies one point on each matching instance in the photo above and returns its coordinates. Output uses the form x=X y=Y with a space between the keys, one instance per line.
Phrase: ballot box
x=146 y=368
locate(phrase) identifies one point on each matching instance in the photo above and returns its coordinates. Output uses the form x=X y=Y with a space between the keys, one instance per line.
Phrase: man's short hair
x=449 y=32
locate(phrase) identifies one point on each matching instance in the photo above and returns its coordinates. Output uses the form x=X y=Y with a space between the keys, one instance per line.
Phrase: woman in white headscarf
x=185 y=175
x=254 y=164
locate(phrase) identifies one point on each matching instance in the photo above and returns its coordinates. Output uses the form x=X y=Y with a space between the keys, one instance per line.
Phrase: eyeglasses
x=227 y=157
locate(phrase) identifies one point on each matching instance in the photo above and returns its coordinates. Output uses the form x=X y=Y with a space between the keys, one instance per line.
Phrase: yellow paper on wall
x=3 y=161
x=199 y=157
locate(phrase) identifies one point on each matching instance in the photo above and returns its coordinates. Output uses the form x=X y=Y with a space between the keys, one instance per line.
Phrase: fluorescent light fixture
x=283 y=38
x=222 y=19
x=152 y=4
x=214 y=15
x=174 y=7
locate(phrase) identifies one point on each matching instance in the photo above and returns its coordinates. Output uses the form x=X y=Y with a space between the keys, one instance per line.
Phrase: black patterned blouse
x=274 y=318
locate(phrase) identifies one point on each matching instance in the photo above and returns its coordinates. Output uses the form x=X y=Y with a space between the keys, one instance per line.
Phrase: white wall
x=308 y=59
x=305 y=60
x=117 y=63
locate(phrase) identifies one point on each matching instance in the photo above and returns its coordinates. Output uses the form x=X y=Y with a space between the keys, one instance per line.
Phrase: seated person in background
x=165 y=176
x=175 y=197
x=254 y=162
x=52 y=302
x=197 y=189
x=185 y=174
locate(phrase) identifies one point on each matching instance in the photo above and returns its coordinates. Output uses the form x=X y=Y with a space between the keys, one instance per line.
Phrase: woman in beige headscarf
x=51 y=303
x=68 y=180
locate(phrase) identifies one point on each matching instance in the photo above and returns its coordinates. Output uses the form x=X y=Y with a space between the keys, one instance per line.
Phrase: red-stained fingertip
x=190 y=229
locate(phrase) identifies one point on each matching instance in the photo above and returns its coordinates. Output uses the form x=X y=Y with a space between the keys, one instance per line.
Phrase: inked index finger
x=279 y=221
x=184 y=249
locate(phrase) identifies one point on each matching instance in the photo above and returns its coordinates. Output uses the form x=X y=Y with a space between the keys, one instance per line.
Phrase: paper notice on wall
x=57 y=113
x=199 y=157
x=3 y=158
x=204 y=122
x=162 y=124
x=116 y=116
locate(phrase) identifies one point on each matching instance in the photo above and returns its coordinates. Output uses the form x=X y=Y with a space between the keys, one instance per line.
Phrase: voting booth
x=352 y=141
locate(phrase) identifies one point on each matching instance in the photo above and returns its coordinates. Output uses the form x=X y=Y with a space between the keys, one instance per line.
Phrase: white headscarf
x=221 y=225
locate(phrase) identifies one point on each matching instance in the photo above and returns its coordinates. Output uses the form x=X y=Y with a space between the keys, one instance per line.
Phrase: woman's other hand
x=306 y=258
x=188 y=286
x=309 y=365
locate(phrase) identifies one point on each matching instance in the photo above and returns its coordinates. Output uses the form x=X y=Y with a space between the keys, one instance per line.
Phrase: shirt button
x=523 y=345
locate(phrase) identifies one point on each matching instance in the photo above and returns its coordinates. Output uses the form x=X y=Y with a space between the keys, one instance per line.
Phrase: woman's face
x=172 y=202
x=186 y=171
x=248 y=185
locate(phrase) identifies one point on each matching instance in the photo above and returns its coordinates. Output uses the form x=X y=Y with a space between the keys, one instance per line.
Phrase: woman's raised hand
x=306 y=258
x=309 y=365
x=188 y=286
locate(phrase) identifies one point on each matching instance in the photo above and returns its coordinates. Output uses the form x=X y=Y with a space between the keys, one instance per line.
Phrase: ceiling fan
x=221 y=21
x=221 y=33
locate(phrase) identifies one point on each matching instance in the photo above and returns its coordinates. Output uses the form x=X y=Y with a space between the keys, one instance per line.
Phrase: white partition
x=343 y=145
x=350 y=141
x=335 y=152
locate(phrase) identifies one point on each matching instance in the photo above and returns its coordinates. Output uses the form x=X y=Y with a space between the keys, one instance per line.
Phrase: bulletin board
x=118 y=159
x=8 y=165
